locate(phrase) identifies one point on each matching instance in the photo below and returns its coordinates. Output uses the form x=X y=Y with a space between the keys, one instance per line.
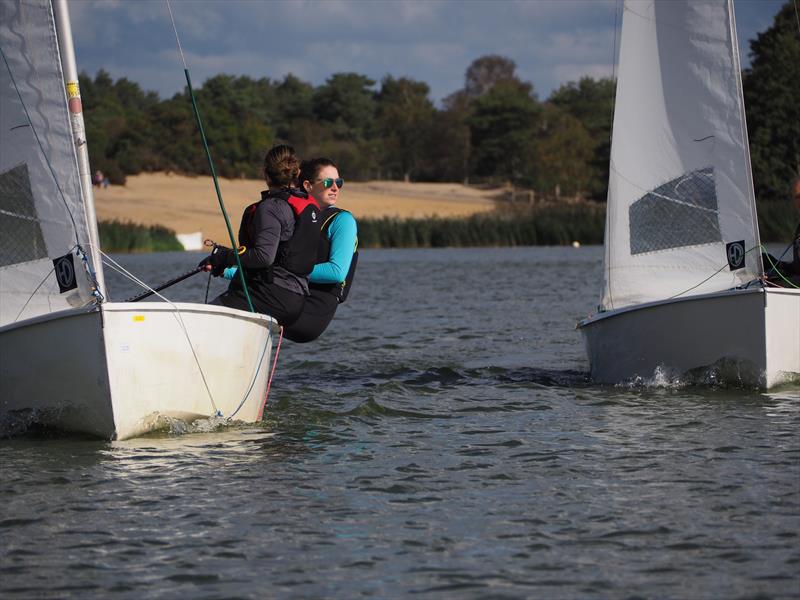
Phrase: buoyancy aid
x=297 y=254
x=340 y=290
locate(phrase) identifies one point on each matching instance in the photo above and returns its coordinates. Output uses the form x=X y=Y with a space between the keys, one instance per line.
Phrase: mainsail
x=681 y=210
x=42 y=217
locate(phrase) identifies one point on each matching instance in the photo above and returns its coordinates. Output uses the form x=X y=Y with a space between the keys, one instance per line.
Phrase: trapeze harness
x=340 y=290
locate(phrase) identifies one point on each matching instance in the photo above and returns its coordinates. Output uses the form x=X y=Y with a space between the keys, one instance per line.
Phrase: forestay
x=681 y=211
x=42 y=216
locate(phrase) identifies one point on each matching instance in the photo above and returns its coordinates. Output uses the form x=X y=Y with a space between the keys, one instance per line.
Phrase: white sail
x=681 y=209
x=42 y=216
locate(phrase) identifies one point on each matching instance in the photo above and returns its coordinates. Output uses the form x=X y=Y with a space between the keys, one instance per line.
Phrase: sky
x=552 y=42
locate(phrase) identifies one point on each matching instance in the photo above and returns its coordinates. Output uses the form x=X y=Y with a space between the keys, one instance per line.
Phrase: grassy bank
x=549 y=225
x=510 y=225
x=117 y=236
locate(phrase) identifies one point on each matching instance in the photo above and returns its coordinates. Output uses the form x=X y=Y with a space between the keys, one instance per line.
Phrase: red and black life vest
x=297 y=254
x=340 y=290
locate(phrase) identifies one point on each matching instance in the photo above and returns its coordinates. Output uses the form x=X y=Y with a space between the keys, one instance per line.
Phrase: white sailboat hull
x=753 y=333
x=124 y=369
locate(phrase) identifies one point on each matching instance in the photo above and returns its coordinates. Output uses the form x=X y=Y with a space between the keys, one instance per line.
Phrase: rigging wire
x=234 y=245
x=271 y=375
x=756 y=247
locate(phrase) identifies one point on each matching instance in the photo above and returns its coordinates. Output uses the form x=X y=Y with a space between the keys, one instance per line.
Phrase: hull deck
x=118 y=371
x=754 y=335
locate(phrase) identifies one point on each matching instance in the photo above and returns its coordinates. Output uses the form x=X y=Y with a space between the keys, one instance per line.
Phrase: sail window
x=21 y=237
x=681 y=212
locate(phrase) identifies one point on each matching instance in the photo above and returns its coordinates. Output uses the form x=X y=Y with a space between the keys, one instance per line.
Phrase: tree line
x=495 y=130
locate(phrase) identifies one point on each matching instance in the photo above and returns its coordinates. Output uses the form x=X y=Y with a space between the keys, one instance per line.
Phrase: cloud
x=552 y=41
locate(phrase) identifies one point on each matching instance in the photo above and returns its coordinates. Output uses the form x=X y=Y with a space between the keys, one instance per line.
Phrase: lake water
x=441 y=440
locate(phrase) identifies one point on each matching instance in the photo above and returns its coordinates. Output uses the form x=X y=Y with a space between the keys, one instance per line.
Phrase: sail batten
x=681 y=214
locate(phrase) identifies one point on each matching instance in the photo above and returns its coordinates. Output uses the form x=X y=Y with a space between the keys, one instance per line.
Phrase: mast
x=68 y=65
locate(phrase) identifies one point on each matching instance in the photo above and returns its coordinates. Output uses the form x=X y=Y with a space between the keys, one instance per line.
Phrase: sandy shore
x=189 y=204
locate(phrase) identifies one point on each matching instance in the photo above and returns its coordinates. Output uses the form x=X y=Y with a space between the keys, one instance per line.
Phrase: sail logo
x=64 y=269
x=735 y=251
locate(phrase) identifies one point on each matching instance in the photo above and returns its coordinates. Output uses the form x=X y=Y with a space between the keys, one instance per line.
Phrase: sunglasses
x=329 y=181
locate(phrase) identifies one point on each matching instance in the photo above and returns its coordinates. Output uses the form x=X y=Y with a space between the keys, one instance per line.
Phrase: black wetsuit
x=324 y=298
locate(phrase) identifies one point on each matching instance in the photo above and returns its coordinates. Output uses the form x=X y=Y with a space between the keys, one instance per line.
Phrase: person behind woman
x=278 y=240
x=336 y=256
x=787 y=272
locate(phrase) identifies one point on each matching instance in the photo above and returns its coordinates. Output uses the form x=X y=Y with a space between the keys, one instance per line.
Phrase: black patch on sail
x=21 y=237
x=681 y=212
x=735 y=252
x=64 y=268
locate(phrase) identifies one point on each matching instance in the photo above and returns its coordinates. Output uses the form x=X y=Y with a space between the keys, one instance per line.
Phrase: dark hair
x=281 y=166
x=309 y=169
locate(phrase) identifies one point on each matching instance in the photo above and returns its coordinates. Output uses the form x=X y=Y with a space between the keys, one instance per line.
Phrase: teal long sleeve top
x=342 y=234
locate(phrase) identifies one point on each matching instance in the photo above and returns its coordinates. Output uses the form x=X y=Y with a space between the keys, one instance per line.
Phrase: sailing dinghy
x=683 y=274
x=69 y=358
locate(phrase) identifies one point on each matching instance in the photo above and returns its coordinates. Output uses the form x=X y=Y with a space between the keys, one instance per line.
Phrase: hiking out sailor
x=337 y=252
x=787 y=272
x=278 y=239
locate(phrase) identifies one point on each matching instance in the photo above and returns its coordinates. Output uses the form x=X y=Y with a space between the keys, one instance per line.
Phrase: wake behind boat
x=684 y=284
x=69 y=358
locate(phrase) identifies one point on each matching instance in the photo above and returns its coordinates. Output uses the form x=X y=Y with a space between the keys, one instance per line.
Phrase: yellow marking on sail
x=138 y=318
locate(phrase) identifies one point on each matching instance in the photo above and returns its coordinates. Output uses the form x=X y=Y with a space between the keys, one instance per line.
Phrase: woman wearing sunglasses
x=278 y=240
x=336 y=254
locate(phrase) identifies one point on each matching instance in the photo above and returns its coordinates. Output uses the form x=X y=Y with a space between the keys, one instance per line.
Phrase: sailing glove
x=219 y=258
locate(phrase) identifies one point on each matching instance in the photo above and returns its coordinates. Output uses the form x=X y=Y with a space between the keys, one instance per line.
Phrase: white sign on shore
x=191 y=241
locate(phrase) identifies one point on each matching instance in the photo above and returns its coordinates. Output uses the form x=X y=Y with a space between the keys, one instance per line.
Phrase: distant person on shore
x=789 y=269
x=277 y=244
x=98 y=178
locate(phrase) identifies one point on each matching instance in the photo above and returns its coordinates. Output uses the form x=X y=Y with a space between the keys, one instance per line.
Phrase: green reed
x=542 y=225
x=118 y=236
x=506 y=226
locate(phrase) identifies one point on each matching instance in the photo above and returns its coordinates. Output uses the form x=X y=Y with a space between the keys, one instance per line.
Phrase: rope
x=255 y=377
x=775 y=268
x=710 y=276
x=763 y=281
x=96 y=293
x=234 y=245
x=177 y=314
x=271 y=375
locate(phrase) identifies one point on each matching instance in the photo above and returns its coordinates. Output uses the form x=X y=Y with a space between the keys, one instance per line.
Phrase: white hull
x=119 y=371
x=756 y=332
